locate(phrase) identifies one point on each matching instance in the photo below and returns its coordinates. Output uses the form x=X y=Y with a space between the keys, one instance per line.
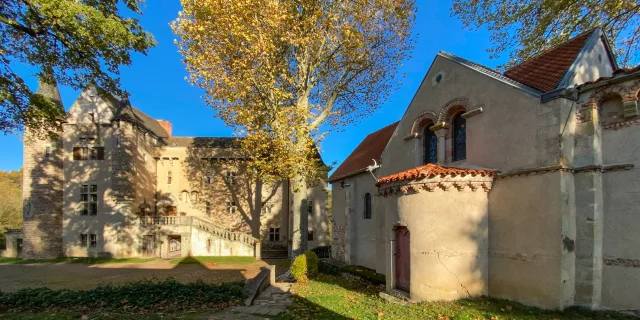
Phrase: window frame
x=89 y=199
x=93 y=240
x=231 y=207
x=169 y=177
x=367 y=214
x=274 y=234
x=427 y=153
x=84 y=240
x=458 y=124
x=310 y=236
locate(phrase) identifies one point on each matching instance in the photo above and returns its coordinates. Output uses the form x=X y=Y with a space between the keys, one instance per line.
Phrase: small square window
x=274 y=234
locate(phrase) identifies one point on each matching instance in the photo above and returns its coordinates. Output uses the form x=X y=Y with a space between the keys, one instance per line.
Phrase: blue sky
x=157 y=86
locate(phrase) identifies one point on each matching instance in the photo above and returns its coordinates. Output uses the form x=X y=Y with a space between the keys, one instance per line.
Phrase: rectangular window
x=89 y=199
x=208 y=207
x=94 y=240
x=83 y=239
x=207 y=178
x=47 y=152
x=96 y=153
x=92 y=117
x=80 y=153
x=168 y=177
x=231 y=177
x=310 y=207
x=274 y=234
x=231 y=207
x=310 y=235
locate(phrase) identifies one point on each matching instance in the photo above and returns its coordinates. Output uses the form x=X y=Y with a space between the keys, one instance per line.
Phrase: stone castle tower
x=42 y=194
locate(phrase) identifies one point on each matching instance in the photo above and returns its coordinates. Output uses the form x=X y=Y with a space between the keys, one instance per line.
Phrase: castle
x=521 y=185
x=115 y=182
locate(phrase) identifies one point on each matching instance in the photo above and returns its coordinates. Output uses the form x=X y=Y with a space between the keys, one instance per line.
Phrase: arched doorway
x=403 y=267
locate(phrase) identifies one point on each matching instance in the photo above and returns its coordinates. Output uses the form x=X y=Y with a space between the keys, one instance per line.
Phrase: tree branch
x=18 y=26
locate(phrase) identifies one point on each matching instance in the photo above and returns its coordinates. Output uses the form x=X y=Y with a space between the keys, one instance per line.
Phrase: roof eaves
x=346 y=175
x=490 y=73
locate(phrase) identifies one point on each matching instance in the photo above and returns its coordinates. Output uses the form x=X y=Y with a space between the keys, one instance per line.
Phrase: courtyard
x=68 y=274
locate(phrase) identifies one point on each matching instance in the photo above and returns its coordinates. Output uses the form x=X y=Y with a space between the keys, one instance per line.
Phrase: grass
x=217 y=260
x=329 y=297
x=70 y=315
x=75 y=260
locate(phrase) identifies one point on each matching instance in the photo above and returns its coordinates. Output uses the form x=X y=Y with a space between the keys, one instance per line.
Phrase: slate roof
x=432 y=170
x=370 y=148
x=126 y=112
x=545 y=70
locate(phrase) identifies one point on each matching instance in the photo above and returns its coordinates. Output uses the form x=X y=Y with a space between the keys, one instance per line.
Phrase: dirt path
x=14 y=277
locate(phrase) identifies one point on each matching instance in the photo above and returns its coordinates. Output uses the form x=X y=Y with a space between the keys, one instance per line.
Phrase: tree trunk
x=300 y=218
x=256 y=224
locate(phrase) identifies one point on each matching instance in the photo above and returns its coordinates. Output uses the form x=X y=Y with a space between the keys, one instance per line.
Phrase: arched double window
x=459 y=140
x=429 y=146
x=367 y=206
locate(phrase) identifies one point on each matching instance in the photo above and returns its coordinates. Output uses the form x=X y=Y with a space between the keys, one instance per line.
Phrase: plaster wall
x=514 y=131
x=526 y=228
x=621 y=239
x=448 y=242
x=591 y=64
x=367 y=234
x=319 y=217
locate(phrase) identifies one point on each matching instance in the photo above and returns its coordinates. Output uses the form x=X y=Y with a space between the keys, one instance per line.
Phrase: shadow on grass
x=330 y=297
x=83 y=260
x=203 y=260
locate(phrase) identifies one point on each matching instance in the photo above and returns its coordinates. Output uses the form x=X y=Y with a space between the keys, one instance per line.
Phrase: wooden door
x=403 y=274
x=19 y=247
x=149 y=246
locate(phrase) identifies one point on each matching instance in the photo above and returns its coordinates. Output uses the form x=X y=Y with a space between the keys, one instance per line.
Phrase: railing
x=201 y=224
x=165 y=221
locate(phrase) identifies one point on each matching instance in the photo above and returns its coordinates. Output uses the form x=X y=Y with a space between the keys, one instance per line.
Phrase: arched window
x=429 y=146
x=194 y=196
x=367 y=206
x=185 y=196
x=459 y=138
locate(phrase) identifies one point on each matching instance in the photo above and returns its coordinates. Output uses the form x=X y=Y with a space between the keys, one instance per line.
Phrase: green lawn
x=75 y=260
x=329 y=297
x=218 y=260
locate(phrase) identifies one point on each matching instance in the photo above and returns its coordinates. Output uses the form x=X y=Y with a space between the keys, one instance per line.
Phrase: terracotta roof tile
x=432 y=170
x=617 y=72
x=545 y=70
x=370 y=148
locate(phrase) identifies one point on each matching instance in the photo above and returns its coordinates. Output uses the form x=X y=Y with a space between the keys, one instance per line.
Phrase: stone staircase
x=274 y=252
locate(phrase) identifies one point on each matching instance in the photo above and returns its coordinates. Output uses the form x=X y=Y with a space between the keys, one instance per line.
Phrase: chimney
x=166 y=125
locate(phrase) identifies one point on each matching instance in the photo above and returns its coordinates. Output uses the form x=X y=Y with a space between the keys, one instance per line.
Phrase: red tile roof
x=370 y=148
x=545 y=70
x=432 y=170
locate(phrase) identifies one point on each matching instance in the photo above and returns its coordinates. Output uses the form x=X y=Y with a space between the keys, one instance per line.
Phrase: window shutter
x=100 y=153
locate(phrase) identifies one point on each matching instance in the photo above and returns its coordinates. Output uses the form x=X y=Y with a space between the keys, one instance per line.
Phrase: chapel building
x=521 y=185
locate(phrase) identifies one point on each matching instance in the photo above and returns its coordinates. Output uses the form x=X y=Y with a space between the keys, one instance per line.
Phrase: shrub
x=141 y=296
x=305 y=266
x=322 y=251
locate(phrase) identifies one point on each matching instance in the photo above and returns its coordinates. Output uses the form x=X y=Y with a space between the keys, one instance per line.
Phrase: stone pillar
x=441 y=134
x=257 y=250
x=589 y=208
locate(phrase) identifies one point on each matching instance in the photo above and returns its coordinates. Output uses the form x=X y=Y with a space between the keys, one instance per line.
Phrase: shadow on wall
x=227 y=193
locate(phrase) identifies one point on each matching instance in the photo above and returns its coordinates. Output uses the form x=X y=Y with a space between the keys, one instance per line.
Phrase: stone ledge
x=264 y=279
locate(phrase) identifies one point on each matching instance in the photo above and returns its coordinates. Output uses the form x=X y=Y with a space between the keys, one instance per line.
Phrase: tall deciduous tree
x=283 y=73
x=72 y=42
x=528 y=26
x=11 y=201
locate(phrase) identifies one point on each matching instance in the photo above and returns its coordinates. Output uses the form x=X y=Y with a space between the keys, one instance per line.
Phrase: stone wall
x=42 y=195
